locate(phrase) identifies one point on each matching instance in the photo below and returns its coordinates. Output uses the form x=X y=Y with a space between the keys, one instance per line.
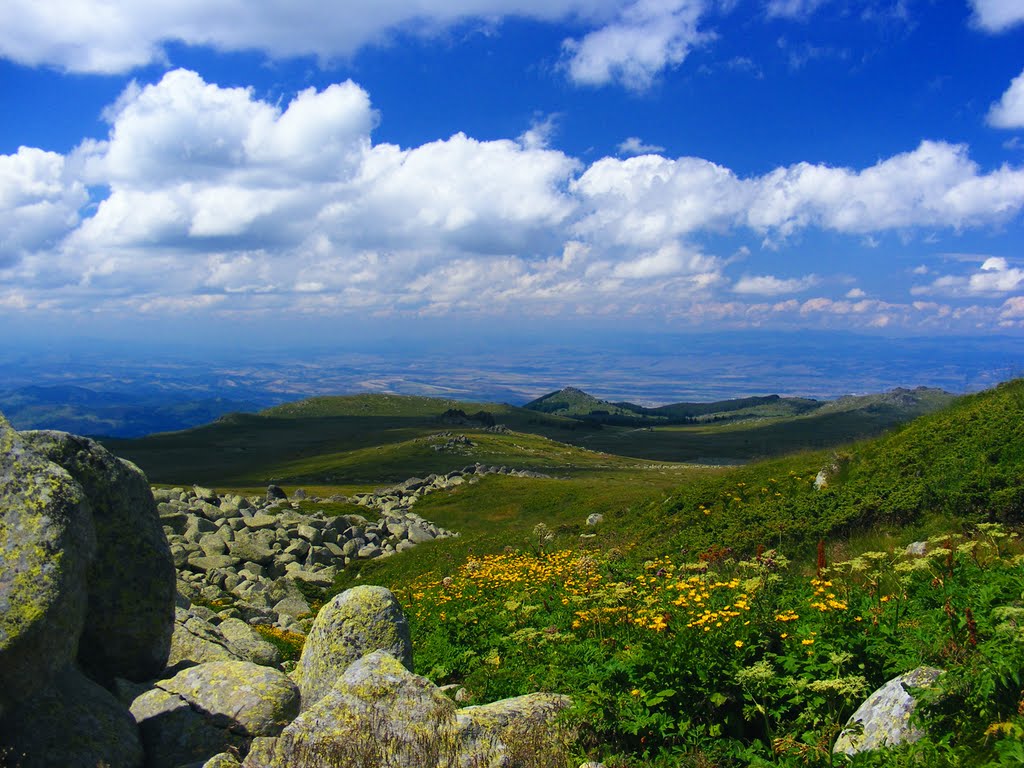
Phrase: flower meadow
x=708 y=659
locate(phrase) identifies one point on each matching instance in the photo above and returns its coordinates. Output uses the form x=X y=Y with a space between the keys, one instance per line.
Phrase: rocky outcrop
x=79 y=607
x=47 y=541
x=90 y=608
x=356 y=622
x=130 y=588
x=883 y=720
x=380 y=713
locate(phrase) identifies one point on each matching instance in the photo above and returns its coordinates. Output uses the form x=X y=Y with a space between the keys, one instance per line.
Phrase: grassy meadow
x=717 y=616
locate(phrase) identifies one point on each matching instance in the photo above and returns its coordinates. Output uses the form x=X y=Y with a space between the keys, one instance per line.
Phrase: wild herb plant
x=734 y=662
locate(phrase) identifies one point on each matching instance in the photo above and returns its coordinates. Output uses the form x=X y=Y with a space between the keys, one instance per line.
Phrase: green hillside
x=605 y=616
x=249 y=449
x=695 y=624
x=577 y=403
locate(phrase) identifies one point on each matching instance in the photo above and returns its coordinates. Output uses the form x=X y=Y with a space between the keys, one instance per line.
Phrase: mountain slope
x=964 y=463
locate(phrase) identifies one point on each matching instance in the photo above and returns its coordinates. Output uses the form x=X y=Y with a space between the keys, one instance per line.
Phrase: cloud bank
x=206 y=198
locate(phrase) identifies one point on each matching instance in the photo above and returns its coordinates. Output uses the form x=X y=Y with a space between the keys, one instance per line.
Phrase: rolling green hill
x=250 y=449
x=290 y=441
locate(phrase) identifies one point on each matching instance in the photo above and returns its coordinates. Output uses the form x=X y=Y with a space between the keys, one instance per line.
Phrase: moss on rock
x=238 y=695
x=46 y=543
x=131 y=580
x=353 y=624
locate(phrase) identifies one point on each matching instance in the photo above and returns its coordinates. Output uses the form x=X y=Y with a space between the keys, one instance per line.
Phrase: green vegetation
x=686 y=639
x=697 y=624
x=320 y=440
x=717 y=661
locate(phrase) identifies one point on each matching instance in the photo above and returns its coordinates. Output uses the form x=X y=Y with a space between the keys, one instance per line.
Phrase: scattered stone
x=883 y=720
x=196 y=641
x=917 y=548
x=595 y=519
x=276 y=493
x=249 y=644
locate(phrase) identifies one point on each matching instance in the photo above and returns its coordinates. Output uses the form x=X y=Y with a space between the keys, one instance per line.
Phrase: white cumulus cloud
x=39 y=202
x=997 y=15
x=201 y=191
x=995 y=276
x=648 y=37
x=644 y=200
x=1008 y=112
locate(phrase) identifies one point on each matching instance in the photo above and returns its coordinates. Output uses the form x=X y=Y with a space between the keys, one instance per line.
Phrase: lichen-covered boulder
x=883 y=720
x=355 y=623
x=131 y=580
x=207 y=709
x=175 y=734
x=248 y=642
x=197 y=641
x=380 y=713
x=245 y=697
x=72 y=723
x=46 y=543
x=261 y=752
x=377 y=713
x=524 y=724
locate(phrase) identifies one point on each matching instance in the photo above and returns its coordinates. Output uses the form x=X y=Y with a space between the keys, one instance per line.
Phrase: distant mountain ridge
x=576 y=404
x=84 y=411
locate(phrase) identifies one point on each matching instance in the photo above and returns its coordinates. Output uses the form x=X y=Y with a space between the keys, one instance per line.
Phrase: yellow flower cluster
x=825 y=599
x=502 y=575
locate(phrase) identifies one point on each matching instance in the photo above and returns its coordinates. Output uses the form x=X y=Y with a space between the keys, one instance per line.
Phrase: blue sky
x=239 y=170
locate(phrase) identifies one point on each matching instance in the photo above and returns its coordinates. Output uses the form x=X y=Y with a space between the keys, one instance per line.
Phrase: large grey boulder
x=72 y=723
x=883 y=720
x=377 y=713
x=46 y=543
x=356 y=622
x=131 y=579
x=247 y=698
x=380 y=713
x=175 y=734
x=210 y=708
x=524 y=725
